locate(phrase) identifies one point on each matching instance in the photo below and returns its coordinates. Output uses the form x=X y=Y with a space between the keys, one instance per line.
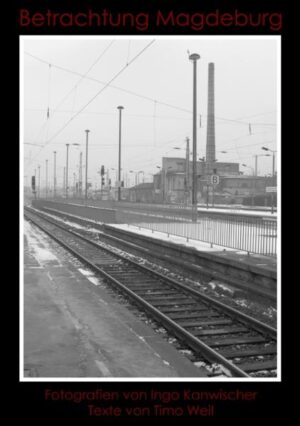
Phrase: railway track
x=215 y=332
x=253 y=283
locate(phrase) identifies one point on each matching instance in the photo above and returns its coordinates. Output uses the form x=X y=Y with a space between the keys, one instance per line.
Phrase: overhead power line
x=49 y=117
x=83 y=76
x=99 y=92
x=145 y=97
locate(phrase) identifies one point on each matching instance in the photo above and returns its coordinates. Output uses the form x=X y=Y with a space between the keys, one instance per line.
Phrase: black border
x=27 y=398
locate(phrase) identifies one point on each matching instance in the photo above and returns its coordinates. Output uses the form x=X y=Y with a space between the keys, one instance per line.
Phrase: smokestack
x=210 y=137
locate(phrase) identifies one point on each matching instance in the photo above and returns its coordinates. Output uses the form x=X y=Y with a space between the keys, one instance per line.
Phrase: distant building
x=142 y=193
x=247 y=190
x=173 y=183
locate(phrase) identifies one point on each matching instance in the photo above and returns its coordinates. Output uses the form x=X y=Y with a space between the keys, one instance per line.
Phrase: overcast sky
x=245 y=90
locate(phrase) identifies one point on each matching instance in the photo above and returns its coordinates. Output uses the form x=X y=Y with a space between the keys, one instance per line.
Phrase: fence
x=254 y=235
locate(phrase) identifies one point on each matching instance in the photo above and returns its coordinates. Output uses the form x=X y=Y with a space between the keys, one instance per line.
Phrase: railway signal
x=102 y=173
x=33 y=183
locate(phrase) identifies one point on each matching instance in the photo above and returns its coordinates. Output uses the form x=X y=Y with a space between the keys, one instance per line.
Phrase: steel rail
x=192 y=341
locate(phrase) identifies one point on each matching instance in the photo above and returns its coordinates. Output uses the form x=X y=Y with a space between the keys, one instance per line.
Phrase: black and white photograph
x=150 y=203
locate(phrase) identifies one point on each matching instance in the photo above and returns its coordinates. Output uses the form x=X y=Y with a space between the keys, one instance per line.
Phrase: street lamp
x=80 y=176
x=120 y=107
x=135 y=176
x=34 y=192
x=142 y=171
x=67 y=166
x=256 y=157
x=194 y=58
x=39 y=181
x=273 y=161
x=162 y=182
x=46 y=178
x=273 y=172
x=74 y=184
x=249 y=167
x=54 y=175
x=253 y=183
x=86 y=163
x=115 y=174
x=187 y=168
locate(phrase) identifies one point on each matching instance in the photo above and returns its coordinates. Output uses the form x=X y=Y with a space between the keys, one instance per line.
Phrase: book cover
x=149 y=130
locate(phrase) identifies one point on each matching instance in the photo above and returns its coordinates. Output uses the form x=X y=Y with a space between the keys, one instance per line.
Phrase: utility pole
x=187 y=170
x=273 y=180
x=35 y=184
x=86 y=163
x=273 y=174
x=119 y=165
x=194 y=57
x=54 y=176
x=80 y=175
x=46 y=178
x=64 y=184
x=67 y=171
x=39 y=181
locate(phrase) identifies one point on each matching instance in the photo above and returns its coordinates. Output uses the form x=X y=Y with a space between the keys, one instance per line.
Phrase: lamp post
x=80 y=175
x=86 y=163
x=64 y=181
x=256 y=160
x=39 y=180
x=273 y=161
x=162 y=183
x=194 y=58
x=164 y=180
x=74 y=185
x=273 y=174
x=67 y=169
x=46 y=178
x=115 y=175
x=54 y=175
x=120 y=108
x=135 y=176
x=34 y=184
x=143 y=173
x=253 y=184
x=187 y=168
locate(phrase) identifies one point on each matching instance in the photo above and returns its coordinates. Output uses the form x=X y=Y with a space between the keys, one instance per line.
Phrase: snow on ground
x=246 y=237
x=90 y=276
x=241 y=239
x=74 y=224
x=237 y=236
x=220 y=208
x=38 y=245
x=198 y=245
x=240 y=212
